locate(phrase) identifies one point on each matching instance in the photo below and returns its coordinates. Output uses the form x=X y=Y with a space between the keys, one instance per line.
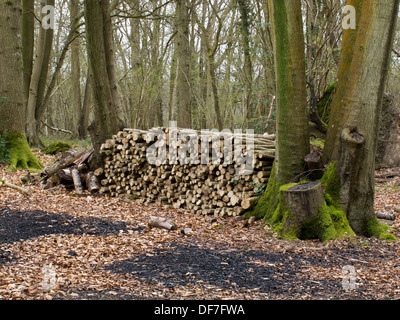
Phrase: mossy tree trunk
x=319 y=217
x=349 y=178
x=362 y=98
x=338 y=108
x=292 y=112
x=12 y=110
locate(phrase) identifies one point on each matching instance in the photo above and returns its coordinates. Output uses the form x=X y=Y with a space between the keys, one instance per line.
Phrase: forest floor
x=57 y=245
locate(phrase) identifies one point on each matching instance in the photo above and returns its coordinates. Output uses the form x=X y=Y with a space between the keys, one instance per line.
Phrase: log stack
x=154 y=167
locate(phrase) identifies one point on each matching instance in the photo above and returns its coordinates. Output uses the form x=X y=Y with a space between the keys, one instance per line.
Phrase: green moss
x=272 y=208
x=321 y=226
x=282 y=221
x=329 y=223
x=324 y=103
x=340 y=221
x=373 y=228
x=268 y=202
x=57 y=147
x=331 y=182
x=21 y=156
x=319 y=143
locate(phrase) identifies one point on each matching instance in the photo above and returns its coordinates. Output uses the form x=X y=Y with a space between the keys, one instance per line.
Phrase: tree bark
x=248 y=66
x=184 y=113
x=11 y=90
x=363 y=99
x=12 y=110
x=103 y=85
x=27 y=34
x=76 y=73
x=136 y=65
x=77 y=181
x=292 y=112
x=211 y=68
x=110 y=61
x=38 y=81
x=339 y=111
x=85 y=111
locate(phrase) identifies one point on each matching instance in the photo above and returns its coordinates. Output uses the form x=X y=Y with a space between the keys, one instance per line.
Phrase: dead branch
x=57 y=129
x=13 y=186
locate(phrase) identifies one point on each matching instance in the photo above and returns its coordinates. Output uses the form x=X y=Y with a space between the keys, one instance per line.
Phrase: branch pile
x=72 y=170
x=168 y=167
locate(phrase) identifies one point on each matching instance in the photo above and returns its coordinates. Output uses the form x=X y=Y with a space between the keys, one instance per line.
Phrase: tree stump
x=304 y=200
x=314 y=165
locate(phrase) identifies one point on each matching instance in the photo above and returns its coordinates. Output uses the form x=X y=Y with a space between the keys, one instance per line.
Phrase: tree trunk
x=41 y=108
x=211 y=68
x=85 y=111
x=203 y=71
x=363 y=99
x=12 y=110
x=110 y=61
x=11 y=90
x=248 y=66
x=134 y=95
x=27 y=34
x=38 y=81
x=184 y=116
x=156 y=66
x=292 y=112
x=105 y=111
x=338 y=108
x=76 y=74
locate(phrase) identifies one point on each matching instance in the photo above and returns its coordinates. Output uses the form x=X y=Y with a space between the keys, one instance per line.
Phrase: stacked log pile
x=196 y=171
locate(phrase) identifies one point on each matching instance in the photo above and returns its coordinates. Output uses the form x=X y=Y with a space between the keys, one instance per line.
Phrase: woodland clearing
x=58 y=245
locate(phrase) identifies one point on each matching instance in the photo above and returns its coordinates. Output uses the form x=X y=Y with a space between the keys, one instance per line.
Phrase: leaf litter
x=57 y=245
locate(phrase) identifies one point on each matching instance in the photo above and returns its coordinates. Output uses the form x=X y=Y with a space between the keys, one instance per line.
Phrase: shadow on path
x=188 y=264
x=23 y=225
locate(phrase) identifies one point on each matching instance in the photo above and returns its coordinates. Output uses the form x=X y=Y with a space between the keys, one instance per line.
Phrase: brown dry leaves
x=95 y=234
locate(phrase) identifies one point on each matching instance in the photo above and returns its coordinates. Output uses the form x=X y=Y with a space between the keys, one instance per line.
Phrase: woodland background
x=217 y=72
x=229 y=77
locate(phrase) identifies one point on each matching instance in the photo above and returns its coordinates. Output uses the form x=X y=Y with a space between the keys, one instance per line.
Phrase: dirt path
x=55 y=245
